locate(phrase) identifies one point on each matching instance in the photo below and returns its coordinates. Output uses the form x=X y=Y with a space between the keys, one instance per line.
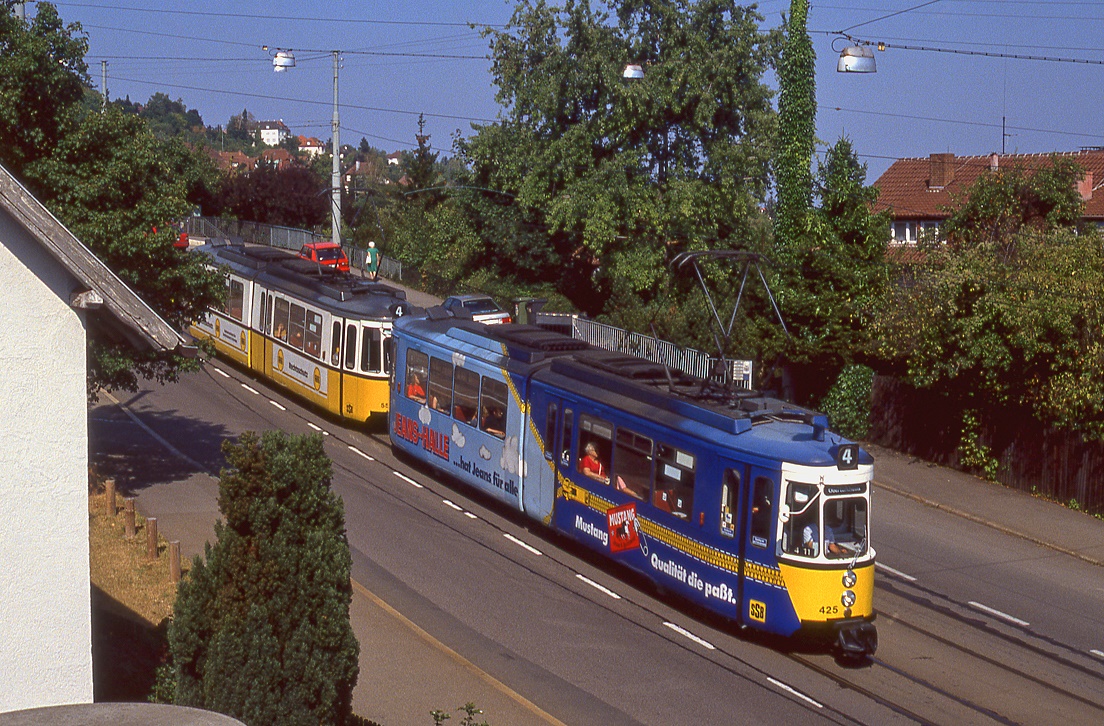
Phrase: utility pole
x=103 y=85
x=335 y=182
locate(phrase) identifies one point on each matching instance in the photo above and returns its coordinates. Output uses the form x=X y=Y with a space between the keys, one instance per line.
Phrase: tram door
x=540 y=463
x=757 y=538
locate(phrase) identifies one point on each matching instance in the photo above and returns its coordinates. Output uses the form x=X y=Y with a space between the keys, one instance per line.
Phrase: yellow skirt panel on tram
x=363 y=396
x=818 y=594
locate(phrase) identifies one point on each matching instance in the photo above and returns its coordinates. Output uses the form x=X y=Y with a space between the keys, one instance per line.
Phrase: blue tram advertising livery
x=320 y=334
x=743 y=504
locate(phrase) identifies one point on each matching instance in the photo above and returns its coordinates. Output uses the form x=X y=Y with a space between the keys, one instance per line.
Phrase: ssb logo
x=280 y=360
x=757 y=611
x=317 y=379
x=241 y=340
x=218 y=328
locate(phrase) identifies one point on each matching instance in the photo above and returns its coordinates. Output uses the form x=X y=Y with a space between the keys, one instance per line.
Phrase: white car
x=482 y=308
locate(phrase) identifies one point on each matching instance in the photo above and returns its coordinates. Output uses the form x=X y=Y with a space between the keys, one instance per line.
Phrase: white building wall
x=45 y=605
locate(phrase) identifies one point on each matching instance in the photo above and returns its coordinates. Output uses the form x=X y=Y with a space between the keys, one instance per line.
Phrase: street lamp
x=856 y=59
x=285 y=59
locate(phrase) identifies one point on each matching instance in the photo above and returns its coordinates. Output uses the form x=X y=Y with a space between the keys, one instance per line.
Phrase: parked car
x=325 y=253
x=482 y=308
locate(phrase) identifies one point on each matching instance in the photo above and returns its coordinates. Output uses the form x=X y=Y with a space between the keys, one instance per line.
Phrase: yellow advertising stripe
x=699 y=551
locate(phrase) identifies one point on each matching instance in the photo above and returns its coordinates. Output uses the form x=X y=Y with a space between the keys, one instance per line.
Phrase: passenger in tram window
x=494 y=421
x=463 y=413
x=415 y=390
x=591 y=465
x=281 y=331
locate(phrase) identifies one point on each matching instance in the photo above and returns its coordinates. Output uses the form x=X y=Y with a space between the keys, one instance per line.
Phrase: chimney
x=994 y=162
x=1085 y=186
x=941 y=170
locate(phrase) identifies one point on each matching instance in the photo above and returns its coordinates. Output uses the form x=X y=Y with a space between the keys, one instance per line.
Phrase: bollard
x=174 y=561
x=128 y=516
x=151 y=539
x=109 y=498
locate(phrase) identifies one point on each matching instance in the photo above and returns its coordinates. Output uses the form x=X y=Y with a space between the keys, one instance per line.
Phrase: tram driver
x=810 y=540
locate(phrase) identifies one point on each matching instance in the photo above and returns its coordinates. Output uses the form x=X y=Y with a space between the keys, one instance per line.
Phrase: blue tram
x=741 y=503
x=320 y=334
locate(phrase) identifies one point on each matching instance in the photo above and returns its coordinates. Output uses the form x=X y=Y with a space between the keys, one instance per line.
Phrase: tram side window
x=440 y=385
x=550 y=416
x=417 y=372
x=730 y=497
x=492 y=414
x=466 y=402
x=280 y=318
x=595 y=447
x=565 y=455
x=312 y=337
x=632 y=463
x=674 y=481
x=296 y=325
x=388 y=351
x=370 y=350
x=350 y=345
x=235 y=300
x=761 y=511
x=375 y=352
x=335 y=344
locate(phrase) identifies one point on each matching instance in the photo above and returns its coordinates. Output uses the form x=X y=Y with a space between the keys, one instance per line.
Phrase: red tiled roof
x=907 y=187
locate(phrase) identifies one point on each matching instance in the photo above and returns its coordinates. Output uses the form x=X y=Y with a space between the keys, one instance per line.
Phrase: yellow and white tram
x=320 y=334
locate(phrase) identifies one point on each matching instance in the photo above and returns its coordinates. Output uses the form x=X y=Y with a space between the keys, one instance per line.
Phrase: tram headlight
x=848 y=598
x=849 y=579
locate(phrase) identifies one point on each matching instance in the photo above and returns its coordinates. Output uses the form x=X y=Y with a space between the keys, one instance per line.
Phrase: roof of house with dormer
x=926 y=188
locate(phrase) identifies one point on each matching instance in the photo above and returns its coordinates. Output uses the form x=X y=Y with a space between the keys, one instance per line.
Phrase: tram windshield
x=835 y=527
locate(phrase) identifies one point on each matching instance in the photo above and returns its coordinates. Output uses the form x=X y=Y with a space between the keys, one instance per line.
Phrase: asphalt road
x=586 y=644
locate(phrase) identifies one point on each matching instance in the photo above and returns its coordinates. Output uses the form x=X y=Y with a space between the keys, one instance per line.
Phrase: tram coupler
x=857 y=639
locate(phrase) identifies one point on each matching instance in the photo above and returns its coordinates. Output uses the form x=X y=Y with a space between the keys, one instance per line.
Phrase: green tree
x=608 y=178
x=294 y=196
x=261 y=625
x=796 y=129
x=42 y=80
x=1005 y=311
x=121 y=191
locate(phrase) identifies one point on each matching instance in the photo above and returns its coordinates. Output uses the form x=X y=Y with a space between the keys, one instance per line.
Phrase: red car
x=325 y=253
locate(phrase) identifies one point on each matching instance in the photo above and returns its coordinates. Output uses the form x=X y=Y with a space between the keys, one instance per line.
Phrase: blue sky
x=209 y=54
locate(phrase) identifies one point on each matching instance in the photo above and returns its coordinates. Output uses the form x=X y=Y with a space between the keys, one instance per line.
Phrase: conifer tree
x=261 y=626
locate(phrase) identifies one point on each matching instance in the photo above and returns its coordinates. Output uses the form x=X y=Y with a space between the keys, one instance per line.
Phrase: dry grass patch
x=132 y=602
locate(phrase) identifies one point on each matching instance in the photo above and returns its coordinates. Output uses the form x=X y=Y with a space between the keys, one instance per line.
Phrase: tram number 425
x=829 y=610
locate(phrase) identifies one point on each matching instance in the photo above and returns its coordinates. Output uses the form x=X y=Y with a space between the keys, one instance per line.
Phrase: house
x=362 y=175
x=232 y=160
x=394 y=158
x=276 y=158
x=53 y=291
x=273 y=133
x=311 y=146
x=919 y=192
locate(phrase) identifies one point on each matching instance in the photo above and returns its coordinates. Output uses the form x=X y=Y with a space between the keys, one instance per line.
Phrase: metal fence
x=288 y=238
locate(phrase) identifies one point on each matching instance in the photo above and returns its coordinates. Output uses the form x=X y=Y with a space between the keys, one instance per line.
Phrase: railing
x=688 y=360
x=288 y=238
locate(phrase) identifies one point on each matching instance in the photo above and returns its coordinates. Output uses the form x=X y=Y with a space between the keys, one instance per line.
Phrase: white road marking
x=277 y=405
x=454 y=505
x=598 y=587
x=255 y=393
x=357 y=451
x=221 y=372
x=518 y=542
x=1097 y=653
x=794 y=691
x=687 y=634
x=998 y=613
x=894 y=572
x=407 y=479
x=469 y=515
x=319 y=429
